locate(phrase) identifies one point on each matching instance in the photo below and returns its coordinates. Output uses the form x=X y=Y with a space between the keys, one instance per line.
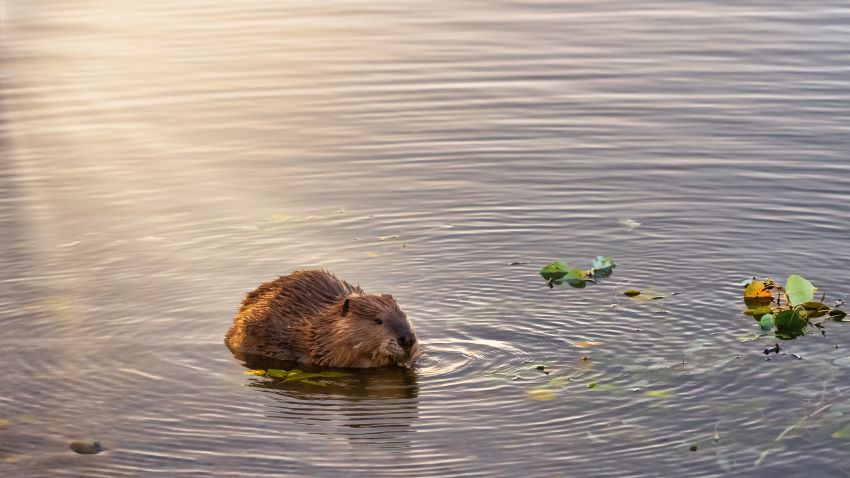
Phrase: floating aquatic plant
x=790 y=309
x=298 y=375
x=557 y=273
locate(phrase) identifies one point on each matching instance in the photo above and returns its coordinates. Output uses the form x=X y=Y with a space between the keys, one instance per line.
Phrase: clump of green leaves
x=299 y=376
x=791 y=309
x=557 y=273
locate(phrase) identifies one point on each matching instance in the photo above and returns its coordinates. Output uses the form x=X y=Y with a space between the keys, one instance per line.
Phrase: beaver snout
x=406 y=340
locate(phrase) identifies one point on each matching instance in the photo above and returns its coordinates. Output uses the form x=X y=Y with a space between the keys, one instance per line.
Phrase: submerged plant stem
x=800 y=421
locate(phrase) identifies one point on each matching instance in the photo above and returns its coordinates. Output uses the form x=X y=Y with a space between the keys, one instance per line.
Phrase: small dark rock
x=84 y=447
x=693 y=448
x=541 y=367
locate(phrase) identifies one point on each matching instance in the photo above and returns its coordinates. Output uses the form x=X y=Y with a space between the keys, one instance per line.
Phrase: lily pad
x=554 y=271
x=799 y=290
x=576 y=278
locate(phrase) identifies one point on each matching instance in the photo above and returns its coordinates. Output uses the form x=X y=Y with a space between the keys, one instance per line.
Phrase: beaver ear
x=345 y=306
x=387 y=296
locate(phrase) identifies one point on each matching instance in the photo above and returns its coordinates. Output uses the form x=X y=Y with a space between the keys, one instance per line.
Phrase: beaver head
x=371 y=331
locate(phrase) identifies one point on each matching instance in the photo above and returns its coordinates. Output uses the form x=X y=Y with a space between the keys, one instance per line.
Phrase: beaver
x=312 y=317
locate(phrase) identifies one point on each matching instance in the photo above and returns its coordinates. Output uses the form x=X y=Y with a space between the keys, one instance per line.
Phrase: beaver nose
x=407 y=340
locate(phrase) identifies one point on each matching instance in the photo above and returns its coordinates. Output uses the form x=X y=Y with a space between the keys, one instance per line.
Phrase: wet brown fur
x=300 y=317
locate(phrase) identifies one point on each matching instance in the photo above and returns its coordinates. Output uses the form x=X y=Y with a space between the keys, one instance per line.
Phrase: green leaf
x=554 y=271
x=313 y=382
x=766 y=322
x=814 y=310
x=837 y=315
x=844 y=433
x=631 y=293
x=660 y=393
x=799 y=290
x=759 y=312
x=332 y=374
x=603 y=266
x=300 y=375
x=607 y=387
x=789 y=324
x=591 y=385
x=576 y=278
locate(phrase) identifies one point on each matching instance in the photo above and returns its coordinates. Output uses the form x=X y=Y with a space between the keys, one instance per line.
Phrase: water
x=160 y=159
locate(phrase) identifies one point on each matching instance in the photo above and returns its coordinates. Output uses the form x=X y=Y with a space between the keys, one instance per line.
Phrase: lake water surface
x=159 y=159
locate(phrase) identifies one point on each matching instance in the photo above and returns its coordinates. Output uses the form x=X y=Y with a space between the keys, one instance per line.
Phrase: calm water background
x=159 y=159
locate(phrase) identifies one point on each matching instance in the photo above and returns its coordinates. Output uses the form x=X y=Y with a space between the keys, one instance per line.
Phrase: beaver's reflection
x=370 y=406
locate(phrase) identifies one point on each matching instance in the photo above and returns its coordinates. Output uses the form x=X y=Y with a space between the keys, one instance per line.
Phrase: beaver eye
x=379 y=321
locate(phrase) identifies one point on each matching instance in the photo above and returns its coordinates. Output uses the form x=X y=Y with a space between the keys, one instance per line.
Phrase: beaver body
x=312 y=317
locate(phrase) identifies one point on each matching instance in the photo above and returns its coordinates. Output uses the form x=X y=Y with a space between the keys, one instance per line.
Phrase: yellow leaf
x=844 y=433
x=4 y=422
x=659 y=393
x=541 y=394
x=756 y=295
x=255 y=372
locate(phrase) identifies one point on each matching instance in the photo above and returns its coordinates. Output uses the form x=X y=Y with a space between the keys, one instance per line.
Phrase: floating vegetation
x=646 y=295
x=549 y=390
x=298 y=375
x=790 y=310
x=542 y=394
x=557 y=273
x=843 y=433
